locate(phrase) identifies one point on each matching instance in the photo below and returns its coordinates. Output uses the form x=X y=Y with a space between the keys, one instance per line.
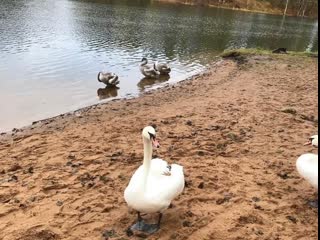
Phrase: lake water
x=52 y=50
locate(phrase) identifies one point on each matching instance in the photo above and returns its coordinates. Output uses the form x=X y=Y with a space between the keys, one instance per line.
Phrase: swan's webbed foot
x=313 y=204
x=144 y=227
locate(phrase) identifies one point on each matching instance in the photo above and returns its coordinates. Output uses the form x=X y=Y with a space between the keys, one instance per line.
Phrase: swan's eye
x=152 y=136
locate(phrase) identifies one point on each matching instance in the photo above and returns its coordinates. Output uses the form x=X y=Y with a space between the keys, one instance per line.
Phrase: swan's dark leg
x=144 y=227
x=159 y=219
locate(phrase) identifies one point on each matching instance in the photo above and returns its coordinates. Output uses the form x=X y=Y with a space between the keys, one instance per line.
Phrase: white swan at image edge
x=307 y=166
x=154 y=184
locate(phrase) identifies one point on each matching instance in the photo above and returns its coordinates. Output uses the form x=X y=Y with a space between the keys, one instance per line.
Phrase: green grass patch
x=258 y=51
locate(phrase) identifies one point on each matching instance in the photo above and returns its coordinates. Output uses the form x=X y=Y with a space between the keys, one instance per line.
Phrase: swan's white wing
x=178 y=174
x=160 y=189
x=161 y=186
x=163 y=67
x=145 y=201
x=150 y=71
x=158 y=166
x=307 y=166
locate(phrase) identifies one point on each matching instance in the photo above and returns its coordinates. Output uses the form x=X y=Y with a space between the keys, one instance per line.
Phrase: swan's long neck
x=113 y=77
x=99 y=75
x=144 y=62
x=147 y=156
x=155 y=66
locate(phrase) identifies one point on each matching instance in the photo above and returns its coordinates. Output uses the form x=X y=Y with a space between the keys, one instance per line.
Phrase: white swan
x=154 y=184
x=163 y=68
x=148 y=71
x=307 y=166
x=108 y=78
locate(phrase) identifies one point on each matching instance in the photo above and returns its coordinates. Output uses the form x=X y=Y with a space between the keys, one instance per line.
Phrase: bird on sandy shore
x=148 y=71
x=162 y=68
x=108 y=78
x=153 y=186
x=307 y=166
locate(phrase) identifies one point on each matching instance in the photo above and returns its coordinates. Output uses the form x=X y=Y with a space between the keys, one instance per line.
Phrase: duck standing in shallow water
x=110 y=79
x=307 y=166
x=154 y=184
x=148 y=71
x=162 y=68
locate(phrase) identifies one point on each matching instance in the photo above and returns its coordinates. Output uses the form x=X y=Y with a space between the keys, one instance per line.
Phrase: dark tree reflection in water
x=53 y=50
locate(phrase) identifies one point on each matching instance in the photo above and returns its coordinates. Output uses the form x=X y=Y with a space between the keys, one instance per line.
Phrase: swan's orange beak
x=155 y=143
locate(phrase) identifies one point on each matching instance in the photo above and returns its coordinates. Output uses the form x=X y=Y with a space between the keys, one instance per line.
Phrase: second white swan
x=307 y=166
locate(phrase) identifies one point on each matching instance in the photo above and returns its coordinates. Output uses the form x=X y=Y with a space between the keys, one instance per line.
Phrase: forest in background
x=302 y=8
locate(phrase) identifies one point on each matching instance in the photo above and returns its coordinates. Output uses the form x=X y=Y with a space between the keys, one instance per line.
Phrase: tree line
x=297 y=7
x=287 y=7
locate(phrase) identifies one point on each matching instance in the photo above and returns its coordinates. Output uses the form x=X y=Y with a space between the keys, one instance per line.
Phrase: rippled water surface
x=52 y=50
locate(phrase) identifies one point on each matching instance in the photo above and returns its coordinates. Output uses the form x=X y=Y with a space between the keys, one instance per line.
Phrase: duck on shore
x=108 y=78
x=307 y=166
x=148 y=71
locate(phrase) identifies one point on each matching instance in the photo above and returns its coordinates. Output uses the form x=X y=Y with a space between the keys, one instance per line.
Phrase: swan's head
x=149 y=134
x=144 y=60
x=313 y=140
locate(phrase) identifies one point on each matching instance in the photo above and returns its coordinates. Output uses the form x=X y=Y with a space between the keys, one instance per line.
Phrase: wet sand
x=237 y=130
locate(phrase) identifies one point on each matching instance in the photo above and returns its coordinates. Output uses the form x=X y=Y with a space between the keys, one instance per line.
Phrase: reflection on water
x=314 y=38
x=146 y=82
x=107 y=92
x=53 y=49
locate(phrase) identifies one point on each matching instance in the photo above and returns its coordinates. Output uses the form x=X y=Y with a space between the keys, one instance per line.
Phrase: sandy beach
x=237 y=130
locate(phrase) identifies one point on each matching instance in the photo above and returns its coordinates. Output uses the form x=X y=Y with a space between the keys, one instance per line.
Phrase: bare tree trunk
x=301 y=3
x=285 y=10
x=304 y=9
x=313 y=7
